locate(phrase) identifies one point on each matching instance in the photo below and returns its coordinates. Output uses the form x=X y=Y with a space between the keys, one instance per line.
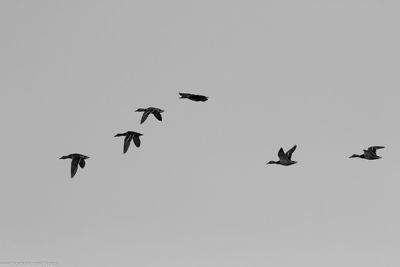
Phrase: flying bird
x=194 y=97
x=77 y=159
x=151 y=110
x=129 y=136
x=285 y=158
x=369 y=153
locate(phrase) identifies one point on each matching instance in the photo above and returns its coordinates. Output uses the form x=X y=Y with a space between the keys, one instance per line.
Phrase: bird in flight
x=129 y=136
x=194 y=97
x=285 y=158
x=150 y=110
x=369 y=153
x=77 y=159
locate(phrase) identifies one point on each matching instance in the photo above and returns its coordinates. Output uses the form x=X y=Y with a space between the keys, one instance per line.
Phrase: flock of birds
x=285 y=158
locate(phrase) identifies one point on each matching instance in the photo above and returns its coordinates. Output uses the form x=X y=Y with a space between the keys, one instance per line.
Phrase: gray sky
x=319 y=74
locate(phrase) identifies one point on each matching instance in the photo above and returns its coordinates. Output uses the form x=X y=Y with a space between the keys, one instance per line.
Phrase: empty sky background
x=320 y=74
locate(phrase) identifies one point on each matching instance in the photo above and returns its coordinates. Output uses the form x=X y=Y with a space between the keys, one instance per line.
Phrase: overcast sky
x=320 y=74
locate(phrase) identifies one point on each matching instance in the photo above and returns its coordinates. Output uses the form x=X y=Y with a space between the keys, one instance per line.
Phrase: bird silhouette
x=77 y=159
x=194 y=97
x=129 y=136
x=369 y=153
x=285 y=158
x=150 y=110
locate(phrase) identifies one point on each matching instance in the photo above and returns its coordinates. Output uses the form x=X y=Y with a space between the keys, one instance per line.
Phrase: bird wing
x=374 y=148
x=127 y=142
x=281 y=154
x=144 y=117
x=290 y=152
x=74 y=166
x=136 y=140
x=368 y=152
x=157 y=115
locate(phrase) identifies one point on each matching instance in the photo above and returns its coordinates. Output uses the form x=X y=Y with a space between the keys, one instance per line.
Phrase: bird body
x=194 y=97
x=130 y=136
x=77 y=159
x=285 y=159
x=369 y=154
x=150 y=110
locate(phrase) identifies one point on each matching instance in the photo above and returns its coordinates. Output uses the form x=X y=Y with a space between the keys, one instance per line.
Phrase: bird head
x=271 y=162
x=354 y=156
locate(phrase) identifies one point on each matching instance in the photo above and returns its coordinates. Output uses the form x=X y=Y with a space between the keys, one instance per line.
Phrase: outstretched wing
x=144 y=117
x=281 y=154
x=157 y=115
x=374 y=148
x=290 y=152
x=127 y=142
x=74 y=166
x=136 y=140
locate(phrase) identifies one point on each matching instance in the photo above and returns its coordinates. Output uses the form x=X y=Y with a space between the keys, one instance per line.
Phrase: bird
x=129 y=136
x=155 y=111
x=369 y=153
x=194 y=97
x=77 y=159
x=285 y=158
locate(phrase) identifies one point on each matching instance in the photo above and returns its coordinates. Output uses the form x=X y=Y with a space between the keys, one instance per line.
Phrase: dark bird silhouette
x=369 y=153
x=150 y=110
x=77 y=159
x=129 y=136
x=285 y=158
x=194 y=97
